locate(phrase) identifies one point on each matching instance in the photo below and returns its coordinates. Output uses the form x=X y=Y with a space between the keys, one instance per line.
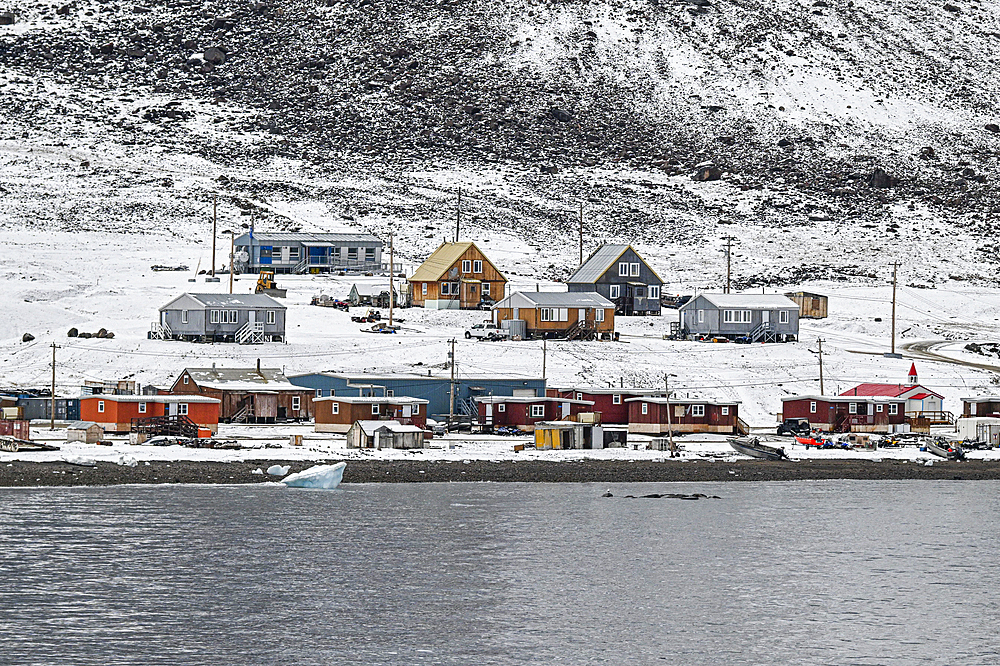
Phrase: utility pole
x=458 y=214
x=232 y=258
x=392 y=281
x=451 y=386
x=215 y=221
x=581 y=233
x=819 y=341
x=544 y=353
x=52 y=414
x=670 y=427
x=729 y=260
x=895 y=266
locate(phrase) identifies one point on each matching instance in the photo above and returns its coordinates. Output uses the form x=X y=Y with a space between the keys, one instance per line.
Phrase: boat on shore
x=944 y=449
x=752 y=446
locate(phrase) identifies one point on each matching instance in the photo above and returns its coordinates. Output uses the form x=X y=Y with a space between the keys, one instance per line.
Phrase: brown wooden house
x=862 y=413
x=524 y=412
x=248 y=395
x=338 y=413
x=649 y=416
x=988 y=405
x=559 y=313
x=456 y=276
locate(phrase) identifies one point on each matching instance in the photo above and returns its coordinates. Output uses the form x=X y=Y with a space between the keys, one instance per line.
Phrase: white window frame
x=727 y=316
x=645 y=408
x=486 y=289
x=234 y=317
x=319 y=393
x=184 y=316
x=697 y=410
x=878 y=408
x=545 y=314
x=390 y=393
x=334 y=407
x=782 y=316
x=416 y=409
x=182 y=409
x=214 y=317
x=615 y=291
x=477 y=266
x=563 y=314
x=100 y=406
x=466 y=265
x=893 y=409
x=375 y=409
x=445 y=289
x=502 y=407
x=725 y=410
x=701 y=316
x=537 y=411
x=271 y=317
x=598 y=314
x=616 y=399
x=654 y=291
x=812 y=407
x=633 y=270
x=187 y=379
x=296 y=403
x=623 y=269
x=852 y=408
x=142 y=408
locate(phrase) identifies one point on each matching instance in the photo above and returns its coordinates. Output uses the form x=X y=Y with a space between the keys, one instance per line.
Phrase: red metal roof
x=919 y=396
x=870 y=389
x=913 y=370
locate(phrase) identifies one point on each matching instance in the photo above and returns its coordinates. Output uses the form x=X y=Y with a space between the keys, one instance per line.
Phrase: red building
x=339 y=413
x=248 y=395
x=657 y=416
x=114 y=413
x=524 y=413
x=920 y=400
x=610 y=402
x=847 y=413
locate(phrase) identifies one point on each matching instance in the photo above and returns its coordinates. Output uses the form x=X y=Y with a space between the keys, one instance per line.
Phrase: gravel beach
x=19 y=473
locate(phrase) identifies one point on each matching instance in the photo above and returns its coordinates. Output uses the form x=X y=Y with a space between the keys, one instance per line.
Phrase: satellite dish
x=453 y=272
x=243 y=256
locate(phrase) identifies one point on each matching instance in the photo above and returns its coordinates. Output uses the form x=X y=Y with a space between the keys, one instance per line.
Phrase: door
x=581 y=314
x=407 y=411
x=765 y=316
x=172 y=409
x=565 y=409
x=163 y=318
x=252 y=314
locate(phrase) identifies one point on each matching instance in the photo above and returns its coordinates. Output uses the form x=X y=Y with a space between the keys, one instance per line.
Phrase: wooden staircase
x=170 y=426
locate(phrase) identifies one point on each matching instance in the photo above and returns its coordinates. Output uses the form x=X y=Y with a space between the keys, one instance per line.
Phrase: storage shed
x=811 y=306
x=84 y=431
x=384 y=435
x=568 y=435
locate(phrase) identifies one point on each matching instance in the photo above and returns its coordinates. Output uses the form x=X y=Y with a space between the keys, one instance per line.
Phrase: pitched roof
x=268 y=237
x=555 y=299
x=443 y=258
x=241 y=379
x=369 y=427
x=871 y=389
x=230 y=300
x=80 y=425
x=598 y=263
x=749 y=301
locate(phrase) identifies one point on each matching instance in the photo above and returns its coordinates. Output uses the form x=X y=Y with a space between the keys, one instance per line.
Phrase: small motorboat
x=945 y=449
x=753 y=447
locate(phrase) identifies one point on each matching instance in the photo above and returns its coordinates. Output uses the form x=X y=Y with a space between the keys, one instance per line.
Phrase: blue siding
x=432 y=389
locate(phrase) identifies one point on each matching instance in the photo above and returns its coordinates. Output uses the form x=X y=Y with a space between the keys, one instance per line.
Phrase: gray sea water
x=832 y=572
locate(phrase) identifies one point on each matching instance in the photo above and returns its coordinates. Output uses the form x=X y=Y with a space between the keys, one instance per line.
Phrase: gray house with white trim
x=242 y=318
x=619 y=274
x=742 y=317
x=307 y=252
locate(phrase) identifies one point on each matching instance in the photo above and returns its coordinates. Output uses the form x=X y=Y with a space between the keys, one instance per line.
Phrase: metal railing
x=252 y=333
x=158 y=331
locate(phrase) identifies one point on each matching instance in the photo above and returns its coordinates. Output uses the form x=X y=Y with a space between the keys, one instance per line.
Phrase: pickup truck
x=486 y=331
x=795 y=427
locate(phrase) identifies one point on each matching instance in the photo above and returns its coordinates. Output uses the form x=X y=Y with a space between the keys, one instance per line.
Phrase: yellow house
x=457 y=276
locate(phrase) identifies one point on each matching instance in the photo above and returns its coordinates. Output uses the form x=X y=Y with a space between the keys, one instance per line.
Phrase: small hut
x=84 y=431
x=811 y=306
x=384 y=435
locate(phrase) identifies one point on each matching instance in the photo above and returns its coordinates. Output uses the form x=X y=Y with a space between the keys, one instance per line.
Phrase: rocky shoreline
x=28 y=474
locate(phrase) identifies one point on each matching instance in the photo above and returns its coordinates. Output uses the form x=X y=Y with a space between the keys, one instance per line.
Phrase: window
x=537 y=411
x=782 y=316
x=369 y=254
x=466 y=266
x=893 y=409
x=546 y=314
x=654 y=291
x=477 y=266
x=416 y=409
x=296 y=403
x=853 y=408
x=697 y=410
x=563 y=314
x=215 y=318
x=389 y=393
x=645 y=408
x=234 y=317
x=633 y=270
x=270 y=316
x=701 y=316
x=599 y=314
x=184 y=316
x=878 y=408
x=579 y=396
x=445 y=288
x=725 y=411
x=182 y=408
x=374 y=410
x=616 y=399
x=623 y=269
x=187 y=379
x=736 y=317
x=352 y=253
x=265 y=252
x=486 y=289
x=334 y=407
x=293 y=253
x=142 y=408
x=812 y=407
x=423 y=289
x=615 y=291
x=501 y=407
x=100 y=406
x=319 y=393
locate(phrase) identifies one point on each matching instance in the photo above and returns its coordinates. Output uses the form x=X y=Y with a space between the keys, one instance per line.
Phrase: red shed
x=524 y=413
x=610 y=402
x=114 y=413
x=656 y=416
x=847 y=413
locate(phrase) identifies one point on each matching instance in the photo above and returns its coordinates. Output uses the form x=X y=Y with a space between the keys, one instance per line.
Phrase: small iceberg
x=325 y=477
x=278 y=470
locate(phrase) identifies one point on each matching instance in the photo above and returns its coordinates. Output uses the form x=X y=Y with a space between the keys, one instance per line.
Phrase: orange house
x=585 y=315
x=456 y=276
x=114 y=413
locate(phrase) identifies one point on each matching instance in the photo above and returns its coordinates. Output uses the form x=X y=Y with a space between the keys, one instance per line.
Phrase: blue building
x=67 y=409
x=434 y=389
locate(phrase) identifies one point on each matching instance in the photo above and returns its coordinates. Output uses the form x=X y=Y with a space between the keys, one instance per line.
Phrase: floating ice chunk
x=278 y=470
x=257 y=471
x=325 y=477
